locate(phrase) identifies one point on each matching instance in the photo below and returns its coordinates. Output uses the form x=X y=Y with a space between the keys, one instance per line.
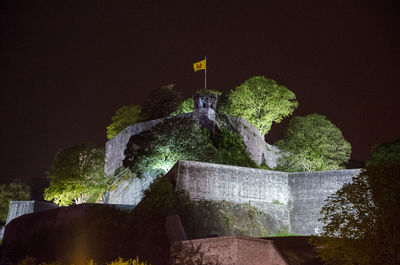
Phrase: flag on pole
x=199 y=65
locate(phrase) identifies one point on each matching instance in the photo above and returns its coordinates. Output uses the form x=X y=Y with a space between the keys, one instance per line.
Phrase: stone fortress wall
x=205 y=114
x=292 y=199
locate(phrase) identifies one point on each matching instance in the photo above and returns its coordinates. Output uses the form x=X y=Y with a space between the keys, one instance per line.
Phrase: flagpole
x=205 y=75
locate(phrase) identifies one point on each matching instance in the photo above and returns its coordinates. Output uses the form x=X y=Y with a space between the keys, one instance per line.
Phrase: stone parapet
x=293 y=200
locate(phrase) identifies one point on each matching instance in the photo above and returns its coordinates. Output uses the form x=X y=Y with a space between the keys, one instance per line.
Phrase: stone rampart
x=292 y=199
x=260 y=152
x=116 y=146
x=266 y=190
x=240 y=184
x=309 y=191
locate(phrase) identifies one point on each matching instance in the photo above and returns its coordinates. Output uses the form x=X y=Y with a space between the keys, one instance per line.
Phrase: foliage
x=123 y=117
x=231 y=148
x=76 y=175
x=183 y=139
x=313 y=143
x=361 y=219
x=168 y=142
x=161 y=102
x=208 y=91
x=186 y=106
x=13 y=191
x=386 y=152
x=159 y=198
x=121 y=261
x=261 y=101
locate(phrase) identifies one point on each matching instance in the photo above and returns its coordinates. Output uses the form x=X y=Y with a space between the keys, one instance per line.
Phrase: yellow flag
x=199 y=65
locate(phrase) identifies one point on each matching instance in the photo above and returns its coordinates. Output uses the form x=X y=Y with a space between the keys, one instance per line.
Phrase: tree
x=76 y=175
x=183 y=139
x=361 y=219
x=386 y=152
x=13 y=191
x=261 y=101
x=161 y=102
x=124 y=116
x=186 y=106
x=313 y=143
x=168 y=142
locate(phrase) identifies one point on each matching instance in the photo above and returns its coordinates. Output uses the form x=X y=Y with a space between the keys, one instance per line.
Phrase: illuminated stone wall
x=129 y=191
x=294 y=200
x=204 y=112
x=260 y=152
x=18 y=208
x=266 y=190
x=115 y=147
x=309 y=190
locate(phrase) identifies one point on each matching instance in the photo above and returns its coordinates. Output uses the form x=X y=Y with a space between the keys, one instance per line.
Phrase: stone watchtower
x=205 y=105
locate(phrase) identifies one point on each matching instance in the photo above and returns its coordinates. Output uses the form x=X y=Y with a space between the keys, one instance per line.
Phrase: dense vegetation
x=183 y=139
x=76 y=175
x=13 y=191
x=124 y=116
x=313 y=143
x=361 y=219
x=261 y=101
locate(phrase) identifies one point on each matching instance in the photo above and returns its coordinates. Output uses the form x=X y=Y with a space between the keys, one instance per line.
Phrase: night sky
x=66 y=66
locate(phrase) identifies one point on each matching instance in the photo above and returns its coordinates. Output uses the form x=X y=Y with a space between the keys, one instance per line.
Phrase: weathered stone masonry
x=292 y=199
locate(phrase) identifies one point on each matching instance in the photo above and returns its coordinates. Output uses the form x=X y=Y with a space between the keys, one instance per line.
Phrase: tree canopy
x=261 y=101
x=161 y=102
x=76 y=175
x=13 y=191
x=361 y=219
x=313 y=143
x=124 y=116
x=186 y=106
x=385 y=153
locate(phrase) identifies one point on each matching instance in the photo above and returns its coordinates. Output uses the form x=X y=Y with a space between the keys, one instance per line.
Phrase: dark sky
x=66 y=66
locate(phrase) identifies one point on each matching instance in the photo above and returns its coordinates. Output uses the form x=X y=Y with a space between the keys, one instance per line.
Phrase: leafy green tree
x=124 y=116
x=386 y=152
x=13 y=191
x=183 y=139
x=168 y=142
x=76 y=175
x=361 y=219
x=161 y=102
x=261 y=101
x=313 y=143
x=186 y=106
